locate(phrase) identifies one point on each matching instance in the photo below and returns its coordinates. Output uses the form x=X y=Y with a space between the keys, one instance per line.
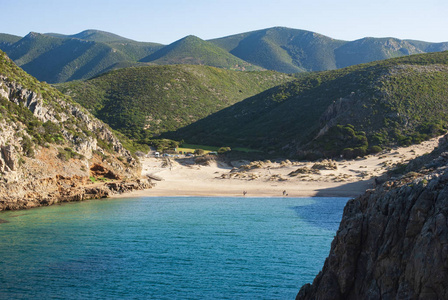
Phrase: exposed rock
x=98 y=170
x=48 y=155
x=392 y=242
x=62 y=189
x=9 y=157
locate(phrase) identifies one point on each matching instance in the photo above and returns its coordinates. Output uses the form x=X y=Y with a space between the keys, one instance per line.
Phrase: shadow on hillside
x=352 y=189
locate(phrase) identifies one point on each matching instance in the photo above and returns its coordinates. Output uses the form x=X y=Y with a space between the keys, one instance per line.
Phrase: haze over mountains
x=57 y=58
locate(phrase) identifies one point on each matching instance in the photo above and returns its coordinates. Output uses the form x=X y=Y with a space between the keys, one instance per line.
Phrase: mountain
x=292 y=50
x=391 y=242
x=350 y=111
x=52 y=150
x=283 y=49
x=193 y=50
x=8 y=39
x=58 y=59
x=94 y=36
x=145 y=101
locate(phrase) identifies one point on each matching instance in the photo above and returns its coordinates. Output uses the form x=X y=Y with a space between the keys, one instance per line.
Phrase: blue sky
x=165 y=21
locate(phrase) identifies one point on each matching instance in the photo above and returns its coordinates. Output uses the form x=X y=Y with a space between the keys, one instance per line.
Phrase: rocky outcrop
x=60 y=189
x=52 y=150
x=392 y=242
x=8 y=158
x=334 y=112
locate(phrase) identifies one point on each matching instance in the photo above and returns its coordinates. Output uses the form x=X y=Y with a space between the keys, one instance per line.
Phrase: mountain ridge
x=193 y=50
x=280 y=49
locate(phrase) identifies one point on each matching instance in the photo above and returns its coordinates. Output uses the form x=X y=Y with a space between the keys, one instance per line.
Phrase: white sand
x=181 y=177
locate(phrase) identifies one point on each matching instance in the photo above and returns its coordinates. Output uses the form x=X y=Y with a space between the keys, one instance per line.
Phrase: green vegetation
x=62 y=128
x=59 y=58
x=292 y=50
x=143 y=102
x=283 y=49
x=8 y=39
x=67 y=153
x=353 y=111
x=194 y=51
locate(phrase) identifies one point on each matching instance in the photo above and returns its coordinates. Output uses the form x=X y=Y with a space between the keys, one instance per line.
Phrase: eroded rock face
x=8 y=158
x=392 y=243
x=37 y=170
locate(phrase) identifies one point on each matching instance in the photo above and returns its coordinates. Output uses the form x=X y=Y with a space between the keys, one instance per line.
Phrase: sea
x=167 y=248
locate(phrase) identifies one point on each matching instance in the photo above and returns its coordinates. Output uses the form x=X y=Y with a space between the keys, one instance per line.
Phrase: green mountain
x=373 y=49
x=283 y=49
x=350 y=111
x=8 y=39
x=134 y=50
x=94 y=36
x=195 y=51
x=58 y=59
x=143 y=102
x=292 y=50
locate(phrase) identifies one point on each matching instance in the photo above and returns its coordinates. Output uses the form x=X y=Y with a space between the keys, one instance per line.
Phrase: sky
x=165 y=21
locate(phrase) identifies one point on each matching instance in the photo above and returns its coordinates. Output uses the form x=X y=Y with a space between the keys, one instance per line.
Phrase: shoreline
x=183 y=177
x=236 y=190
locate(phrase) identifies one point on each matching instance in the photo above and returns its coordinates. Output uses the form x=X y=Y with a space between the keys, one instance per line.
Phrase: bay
x=167 y=248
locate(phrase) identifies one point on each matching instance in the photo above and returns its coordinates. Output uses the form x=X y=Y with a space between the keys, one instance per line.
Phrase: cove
x=167 y=248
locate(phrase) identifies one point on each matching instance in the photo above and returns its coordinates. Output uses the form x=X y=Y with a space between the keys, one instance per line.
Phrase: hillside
x=52 y=149
x=58 y=59
x=292 y=50
x=142 y=102
x=192 y=50
x=8 y=39
x=283 y=49
x=350 y=112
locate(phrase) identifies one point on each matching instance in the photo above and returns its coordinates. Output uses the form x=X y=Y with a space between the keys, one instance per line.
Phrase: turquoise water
x=167 y=248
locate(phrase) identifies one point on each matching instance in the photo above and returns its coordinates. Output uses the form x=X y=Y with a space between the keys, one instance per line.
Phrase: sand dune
x=347 y=178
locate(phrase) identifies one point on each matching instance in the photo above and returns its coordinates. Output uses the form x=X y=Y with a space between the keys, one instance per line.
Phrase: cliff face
x=392 y=242
x=52 y=150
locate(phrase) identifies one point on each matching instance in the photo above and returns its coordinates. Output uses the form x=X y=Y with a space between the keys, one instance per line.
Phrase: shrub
x=224 y=150
x=67 y=153
x=375 y=149
x=27 y=146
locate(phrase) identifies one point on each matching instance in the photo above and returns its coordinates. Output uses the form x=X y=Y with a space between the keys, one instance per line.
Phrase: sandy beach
x=284 y=178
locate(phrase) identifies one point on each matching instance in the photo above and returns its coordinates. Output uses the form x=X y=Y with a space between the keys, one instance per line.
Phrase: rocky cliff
x=52 y=150
x=392 y=242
